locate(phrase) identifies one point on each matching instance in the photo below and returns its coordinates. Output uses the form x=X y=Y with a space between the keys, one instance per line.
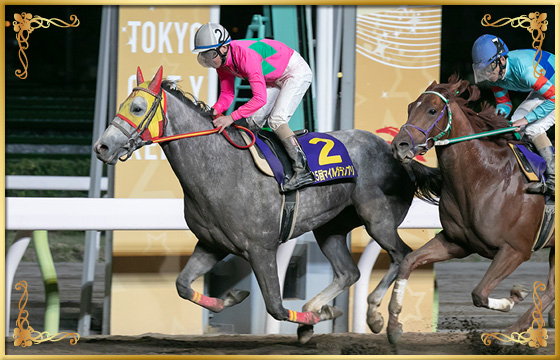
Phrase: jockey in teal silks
x=278 y=76
x=513 y=70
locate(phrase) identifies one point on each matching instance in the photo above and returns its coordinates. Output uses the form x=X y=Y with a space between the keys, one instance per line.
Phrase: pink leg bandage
x=305 y=318
x=209 y=303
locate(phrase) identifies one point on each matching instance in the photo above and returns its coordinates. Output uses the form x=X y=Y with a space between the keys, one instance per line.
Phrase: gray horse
x=233 y=208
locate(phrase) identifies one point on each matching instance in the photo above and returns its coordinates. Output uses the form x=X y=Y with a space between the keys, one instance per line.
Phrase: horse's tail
x=428 y=182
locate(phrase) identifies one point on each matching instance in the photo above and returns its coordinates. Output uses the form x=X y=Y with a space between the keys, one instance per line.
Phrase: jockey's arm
x=503 y=102
x=227 y=91
x=546 y=89
x=258 y=88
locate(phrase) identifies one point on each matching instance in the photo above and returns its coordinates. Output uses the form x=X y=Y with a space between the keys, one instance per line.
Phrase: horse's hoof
x=304 y=333
x=394 y=335
x=330 y=312
x=234 y=297
x=551 y=320
x=376 y=323
x=519 y=291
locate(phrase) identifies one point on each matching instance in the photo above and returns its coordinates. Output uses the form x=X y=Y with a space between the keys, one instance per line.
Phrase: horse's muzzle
x=103 y=154
x=107 y=154
x=402 y=151
x=112 y=145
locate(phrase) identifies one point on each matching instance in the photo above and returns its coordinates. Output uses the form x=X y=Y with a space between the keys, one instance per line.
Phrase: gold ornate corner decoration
x=25 y=335
x=24 y=25
x=535 y=23
x=534 y=337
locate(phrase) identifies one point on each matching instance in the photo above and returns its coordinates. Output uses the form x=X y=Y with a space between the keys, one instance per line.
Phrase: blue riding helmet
x=486 y=52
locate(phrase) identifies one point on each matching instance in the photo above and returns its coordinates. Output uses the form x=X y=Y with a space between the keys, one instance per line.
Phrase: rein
x=208 y=132
x=474 y=136
x=134 y=141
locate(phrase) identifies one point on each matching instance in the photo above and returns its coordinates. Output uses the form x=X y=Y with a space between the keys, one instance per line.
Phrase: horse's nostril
x=403 y=144
x=101 y=148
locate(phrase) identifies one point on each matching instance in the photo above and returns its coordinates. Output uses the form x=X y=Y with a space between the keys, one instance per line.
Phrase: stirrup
x=537 y=188
x=550 y=190
x=298 y=180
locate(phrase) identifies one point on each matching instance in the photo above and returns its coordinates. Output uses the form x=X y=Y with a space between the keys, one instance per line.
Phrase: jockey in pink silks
x=278 y=76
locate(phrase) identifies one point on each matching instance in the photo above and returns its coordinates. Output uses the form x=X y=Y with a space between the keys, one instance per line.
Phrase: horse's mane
x=186 y=98
x=484 y=120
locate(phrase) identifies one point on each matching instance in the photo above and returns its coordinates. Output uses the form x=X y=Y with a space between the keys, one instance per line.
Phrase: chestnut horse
x=484 y=207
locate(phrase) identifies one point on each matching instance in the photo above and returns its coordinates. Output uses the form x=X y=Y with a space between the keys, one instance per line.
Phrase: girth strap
x=547 y=227
x=290 y=202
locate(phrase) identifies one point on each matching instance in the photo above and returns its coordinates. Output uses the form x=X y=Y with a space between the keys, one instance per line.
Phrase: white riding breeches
x=541 y=125
x=284 y=95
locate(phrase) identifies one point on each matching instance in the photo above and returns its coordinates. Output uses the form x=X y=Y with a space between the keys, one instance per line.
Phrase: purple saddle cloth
x=536 y=163
x=327 y=157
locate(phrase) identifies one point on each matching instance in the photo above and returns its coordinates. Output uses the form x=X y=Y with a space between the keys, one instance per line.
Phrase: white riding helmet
x=210 y=36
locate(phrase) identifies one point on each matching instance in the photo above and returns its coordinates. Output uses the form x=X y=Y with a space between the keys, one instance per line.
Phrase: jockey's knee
x=541 y=140
x=277 y=123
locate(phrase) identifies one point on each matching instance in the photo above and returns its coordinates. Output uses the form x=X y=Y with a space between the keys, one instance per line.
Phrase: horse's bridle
x=136 y=138
x=426 y=144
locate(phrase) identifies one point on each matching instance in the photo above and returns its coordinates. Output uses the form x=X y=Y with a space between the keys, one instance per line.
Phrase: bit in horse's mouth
x=406 y=157
x=113 y=159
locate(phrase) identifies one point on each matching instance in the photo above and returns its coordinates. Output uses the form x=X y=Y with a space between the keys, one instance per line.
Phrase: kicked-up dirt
x=443 y=343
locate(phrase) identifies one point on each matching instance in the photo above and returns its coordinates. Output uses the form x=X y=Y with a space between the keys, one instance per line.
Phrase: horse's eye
x=432 y=111
x=138 y=106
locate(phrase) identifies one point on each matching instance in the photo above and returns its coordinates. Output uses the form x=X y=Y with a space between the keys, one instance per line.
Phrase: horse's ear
x=453 y=78
x=432 y=85
x=155 y=84
x=459 y=87
x=139 y=76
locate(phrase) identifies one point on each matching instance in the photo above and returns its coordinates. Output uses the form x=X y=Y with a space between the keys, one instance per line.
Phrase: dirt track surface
x=452 y=343
x=459 y=327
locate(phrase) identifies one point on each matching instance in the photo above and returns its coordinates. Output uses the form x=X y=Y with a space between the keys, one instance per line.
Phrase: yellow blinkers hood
x=148 y=90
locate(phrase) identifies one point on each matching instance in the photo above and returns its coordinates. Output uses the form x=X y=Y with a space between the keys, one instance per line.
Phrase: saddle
x=327 y=158
x=532 y=164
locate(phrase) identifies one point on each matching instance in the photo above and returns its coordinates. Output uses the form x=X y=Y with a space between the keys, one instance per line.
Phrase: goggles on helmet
x=206 y=58
x=485 y=73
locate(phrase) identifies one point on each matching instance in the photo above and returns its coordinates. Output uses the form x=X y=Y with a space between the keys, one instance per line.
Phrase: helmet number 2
x=221 y=36
x=324 y=157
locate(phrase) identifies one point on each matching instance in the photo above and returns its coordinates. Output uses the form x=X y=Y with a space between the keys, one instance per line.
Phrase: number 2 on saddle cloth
x=327 y=157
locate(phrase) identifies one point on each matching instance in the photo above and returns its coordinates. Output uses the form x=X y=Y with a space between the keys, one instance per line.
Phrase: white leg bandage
x=399 y=290
x=503 y=304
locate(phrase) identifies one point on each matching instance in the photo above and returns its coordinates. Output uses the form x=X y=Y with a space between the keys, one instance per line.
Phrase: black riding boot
x=548 y=187
x=302 y=175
